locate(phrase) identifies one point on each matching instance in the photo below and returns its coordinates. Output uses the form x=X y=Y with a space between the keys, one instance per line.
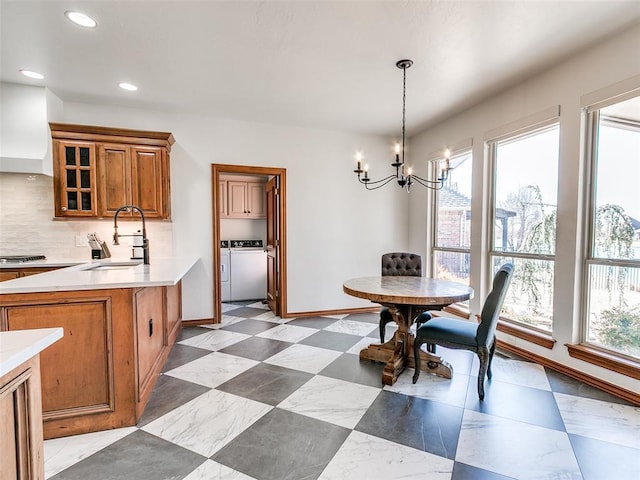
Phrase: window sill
x=605 y=359
x=539 y=338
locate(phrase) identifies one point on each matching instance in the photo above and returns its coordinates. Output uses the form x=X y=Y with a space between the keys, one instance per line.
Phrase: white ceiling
x=322 y=64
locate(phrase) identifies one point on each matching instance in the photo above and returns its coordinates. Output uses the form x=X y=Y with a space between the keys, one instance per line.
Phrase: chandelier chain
x=404 y=102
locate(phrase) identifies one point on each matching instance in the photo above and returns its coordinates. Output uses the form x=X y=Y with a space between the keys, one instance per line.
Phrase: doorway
x=276 y=234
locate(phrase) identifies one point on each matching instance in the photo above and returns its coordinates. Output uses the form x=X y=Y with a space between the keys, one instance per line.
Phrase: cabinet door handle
x=150 y=327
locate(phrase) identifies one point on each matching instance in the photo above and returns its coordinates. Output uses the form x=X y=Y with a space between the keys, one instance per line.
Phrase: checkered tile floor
x=258 y=397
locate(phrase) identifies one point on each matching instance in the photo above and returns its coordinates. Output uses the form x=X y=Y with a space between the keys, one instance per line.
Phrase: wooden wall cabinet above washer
x=98 y=169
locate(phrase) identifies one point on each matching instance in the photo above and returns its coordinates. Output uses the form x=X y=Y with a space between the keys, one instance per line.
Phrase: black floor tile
x=600 y=460
x=560 y=383
x=181 y=354
x=245 y=312
x=256 y=348
x=331 y=340
x=138 y=456
x=350 y=368
x=169 y=393
x=313 y=322
x=283 y=446
x=266 y=383
x=462 y=471
x=423 y=424
x=188 y=332
x=534 y=406
x=250 y=327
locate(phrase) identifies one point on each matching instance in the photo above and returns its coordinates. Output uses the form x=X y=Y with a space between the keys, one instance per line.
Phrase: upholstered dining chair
x=396 y=264
x=462 y=334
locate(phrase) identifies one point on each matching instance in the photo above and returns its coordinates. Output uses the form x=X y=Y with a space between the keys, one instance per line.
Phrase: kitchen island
x=120 y=320
x=21 y=451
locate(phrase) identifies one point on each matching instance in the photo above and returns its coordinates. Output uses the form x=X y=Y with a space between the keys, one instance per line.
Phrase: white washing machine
x=225 y=267
x=248 y=270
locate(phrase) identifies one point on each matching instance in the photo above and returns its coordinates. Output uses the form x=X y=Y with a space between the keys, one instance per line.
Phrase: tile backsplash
x=27 y=226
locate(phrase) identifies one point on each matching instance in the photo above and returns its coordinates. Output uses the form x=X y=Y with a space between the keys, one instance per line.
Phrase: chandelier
x=405 y=178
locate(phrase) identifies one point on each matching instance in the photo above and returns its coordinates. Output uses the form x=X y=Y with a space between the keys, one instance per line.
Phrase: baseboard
x=198 y=321
x=343 y=311
x=629 y=396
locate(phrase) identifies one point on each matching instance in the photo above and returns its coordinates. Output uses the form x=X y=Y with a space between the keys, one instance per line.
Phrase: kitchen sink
x=113 y=266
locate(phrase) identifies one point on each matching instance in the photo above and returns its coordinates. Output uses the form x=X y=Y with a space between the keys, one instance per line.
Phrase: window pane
x=530 y=296
x=84 y=156
x=617 y=196
x=526 y=183
x=452 y=266
x=454 y=205
x=614 y=308
x=70 y=155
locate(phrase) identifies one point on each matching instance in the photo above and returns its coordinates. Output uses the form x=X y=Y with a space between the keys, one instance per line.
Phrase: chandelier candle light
x=408 y=178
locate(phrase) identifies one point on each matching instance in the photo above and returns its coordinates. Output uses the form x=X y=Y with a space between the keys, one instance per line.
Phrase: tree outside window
x=524 y=222
x=612 y=319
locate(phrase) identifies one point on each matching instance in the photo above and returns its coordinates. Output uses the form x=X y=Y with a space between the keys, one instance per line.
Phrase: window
x=612 y=271
x=452 y=219
x=523 y=219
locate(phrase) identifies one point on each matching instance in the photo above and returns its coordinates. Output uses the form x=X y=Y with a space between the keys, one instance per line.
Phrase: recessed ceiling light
x=31 y=74
x=80 y=19
x=128 y=86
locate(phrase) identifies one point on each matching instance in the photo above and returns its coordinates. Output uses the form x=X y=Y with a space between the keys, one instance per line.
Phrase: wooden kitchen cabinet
x=11 y=273
x=150 y=336
x=101 y=374
x=114 y=167
x=246 y=199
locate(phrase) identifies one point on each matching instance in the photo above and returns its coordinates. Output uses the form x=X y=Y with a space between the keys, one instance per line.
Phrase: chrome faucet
x=145 y=240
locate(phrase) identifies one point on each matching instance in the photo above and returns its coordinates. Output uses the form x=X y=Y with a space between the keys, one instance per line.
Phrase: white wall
x=602 y=65
x=336 y=229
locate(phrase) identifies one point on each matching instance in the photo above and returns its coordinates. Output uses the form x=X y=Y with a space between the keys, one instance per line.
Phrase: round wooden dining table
x=406 y=298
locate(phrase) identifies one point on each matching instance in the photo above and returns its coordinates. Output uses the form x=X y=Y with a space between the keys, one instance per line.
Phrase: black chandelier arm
x=378 y=183
x=434 y=184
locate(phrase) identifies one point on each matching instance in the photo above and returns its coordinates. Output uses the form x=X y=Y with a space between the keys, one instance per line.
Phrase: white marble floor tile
x=452 y=391
x=364 y=343
x=208 y=422
x=515 y=449
x=270 y=317
x=517 y=372
x=215 y=340
x=288 y=333
x=213 y=369
x=334 y=401
x=351 y=327
x=611 y=422
x=211 y=470
x=226 y=321
x=61 y=453
x=304 y=358
x=365 y=456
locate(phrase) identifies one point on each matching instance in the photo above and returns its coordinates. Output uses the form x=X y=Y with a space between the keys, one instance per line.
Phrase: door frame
x=216 y=170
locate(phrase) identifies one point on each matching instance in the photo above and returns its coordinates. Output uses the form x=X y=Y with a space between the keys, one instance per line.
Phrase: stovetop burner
x=20 y=258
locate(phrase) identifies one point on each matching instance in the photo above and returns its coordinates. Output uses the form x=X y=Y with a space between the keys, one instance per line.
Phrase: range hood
x=25 y=140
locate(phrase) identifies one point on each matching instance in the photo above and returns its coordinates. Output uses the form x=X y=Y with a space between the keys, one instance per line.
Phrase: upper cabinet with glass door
x=75 y=173
x=98 y=169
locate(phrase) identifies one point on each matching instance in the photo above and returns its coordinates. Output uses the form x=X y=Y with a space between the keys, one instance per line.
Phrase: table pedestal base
x=393 y=354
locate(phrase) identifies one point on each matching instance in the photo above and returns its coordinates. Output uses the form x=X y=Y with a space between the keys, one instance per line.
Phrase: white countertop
x=58 y=262
x=103 y=274
x=18 y=346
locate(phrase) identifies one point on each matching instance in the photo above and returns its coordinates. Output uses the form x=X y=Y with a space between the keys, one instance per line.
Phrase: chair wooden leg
x=383 y=325
x=491 y=352
x=416 y=358
x=483 y=356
